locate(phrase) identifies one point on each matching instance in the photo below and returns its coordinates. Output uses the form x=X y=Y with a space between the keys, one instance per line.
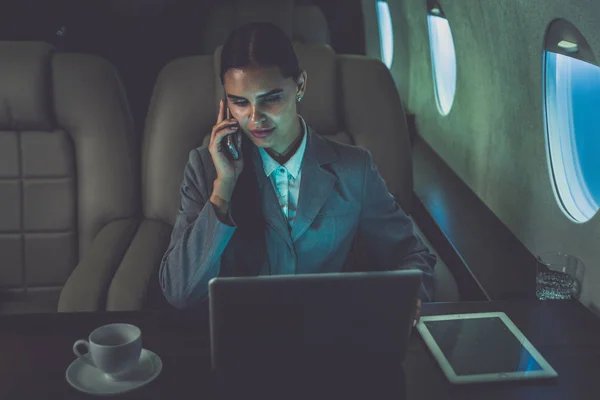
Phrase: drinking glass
x=559 y=276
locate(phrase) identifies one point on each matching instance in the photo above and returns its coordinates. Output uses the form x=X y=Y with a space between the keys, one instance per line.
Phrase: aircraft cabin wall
x=494 y=134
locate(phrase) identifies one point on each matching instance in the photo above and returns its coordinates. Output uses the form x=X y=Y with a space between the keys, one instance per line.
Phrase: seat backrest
x=350 y=99
x=182 y=112
x=373 y=116
x=67 y=160
x=353 y=99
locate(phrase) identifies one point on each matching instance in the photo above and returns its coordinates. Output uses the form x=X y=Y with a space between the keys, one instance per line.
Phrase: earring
x=299 y=98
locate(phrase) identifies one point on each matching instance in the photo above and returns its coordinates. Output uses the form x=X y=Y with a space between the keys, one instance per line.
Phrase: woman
x=294 y=201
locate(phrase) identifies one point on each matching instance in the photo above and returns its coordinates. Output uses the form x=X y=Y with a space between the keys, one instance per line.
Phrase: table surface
x=35 y=351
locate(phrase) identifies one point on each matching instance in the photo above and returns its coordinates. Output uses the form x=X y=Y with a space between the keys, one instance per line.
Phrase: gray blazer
x=342 y=197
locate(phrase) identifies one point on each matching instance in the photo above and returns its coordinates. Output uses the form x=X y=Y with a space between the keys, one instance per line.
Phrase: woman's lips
x=262 y=133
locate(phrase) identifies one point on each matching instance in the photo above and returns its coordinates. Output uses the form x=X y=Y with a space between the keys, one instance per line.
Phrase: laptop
x=276 y=327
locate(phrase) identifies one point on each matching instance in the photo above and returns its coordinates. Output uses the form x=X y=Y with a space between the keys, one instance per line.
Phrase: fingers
x=239 y=139
x=220 y=117
x=224 y=131
x=224 y=125
x=418 y=313
x=228 y=125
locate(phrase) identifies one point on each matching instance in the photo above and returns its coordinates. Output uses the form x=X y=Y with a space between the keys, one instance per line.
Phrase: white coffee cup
x=115 y=349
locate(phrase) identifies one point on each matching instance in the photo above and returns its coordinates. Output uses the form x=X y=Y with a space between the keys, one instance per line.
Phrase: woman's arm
x=389 y=232
x=201 y=232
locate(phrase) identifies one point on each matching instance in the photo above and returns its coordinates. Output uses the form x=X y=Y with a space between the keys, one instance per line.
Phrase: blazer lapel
x=316 y=182
x=272 y=212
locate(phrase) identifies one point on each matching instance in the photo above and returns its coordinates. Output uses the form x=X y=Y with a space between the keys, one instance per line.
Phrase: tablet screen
x=481 y=346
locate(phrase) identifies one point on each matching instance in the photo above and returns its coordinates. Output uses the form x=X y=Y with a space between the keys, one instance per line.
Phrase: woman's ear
x=301 y=85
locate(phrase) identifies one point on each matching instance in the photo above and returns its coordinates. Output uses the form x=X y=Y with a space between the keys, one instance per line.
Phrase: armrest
x=86 y=288
x=445 y=287
x=137 y=277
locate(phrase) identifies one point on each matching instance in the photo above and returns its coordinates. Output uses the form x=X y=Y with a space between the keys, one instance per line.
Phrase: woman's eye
x=240 y=102
x=273 y=99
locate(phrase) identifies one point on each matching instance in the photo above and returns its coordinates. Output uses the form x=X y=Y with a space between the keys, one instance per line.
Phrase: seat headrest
x=310 y=26
x=278 y=12
x=228 y=15
x=318 y=107
x=25 y=94
x=139 y=8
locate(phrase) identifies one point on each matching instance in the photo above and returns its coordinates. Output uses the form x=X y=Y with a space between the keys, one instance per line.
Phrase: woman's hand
x=418 y=314
x=228 y=171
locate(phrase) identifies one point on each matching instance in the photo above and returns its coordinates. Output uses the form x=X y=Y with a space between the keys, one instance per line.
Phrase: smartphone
x=229 y=143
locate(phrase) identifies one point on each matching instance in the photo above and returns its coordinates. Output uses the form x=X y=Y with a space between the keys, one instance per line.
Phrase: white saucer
x=83 y=376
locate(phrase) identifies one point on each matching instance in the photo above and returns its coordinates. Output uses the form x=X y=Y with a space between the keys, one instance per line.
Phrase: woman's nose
x=257 y=116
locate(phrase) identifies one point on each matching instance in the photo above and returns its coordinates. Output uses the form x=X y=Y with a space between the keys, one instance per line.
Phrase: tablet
x=482 y=347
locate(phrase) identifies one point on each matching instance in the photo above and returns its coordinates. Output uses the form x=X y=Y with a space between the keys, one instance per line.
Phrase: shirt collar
x=294 y=164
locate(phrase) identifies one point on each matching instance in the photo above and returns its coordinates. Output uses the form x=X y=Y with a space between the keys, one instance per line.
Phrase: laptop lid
x=274 y=322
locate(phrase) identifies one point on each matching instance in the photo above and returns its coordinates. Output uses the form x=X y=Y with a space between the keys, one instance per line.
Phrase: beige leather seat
x=302 y=23
x=67 y=178
x=351 y=99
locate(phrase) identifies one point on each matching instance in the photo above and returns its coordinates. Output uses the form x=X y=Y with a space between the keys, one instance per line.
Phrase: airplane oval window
x=572 y=120
x=443 y=57
x=386 y=33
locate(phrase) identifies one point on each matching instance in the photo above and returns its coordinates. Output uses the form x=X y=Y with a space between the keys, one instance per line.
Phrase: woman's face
x=264 y=104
